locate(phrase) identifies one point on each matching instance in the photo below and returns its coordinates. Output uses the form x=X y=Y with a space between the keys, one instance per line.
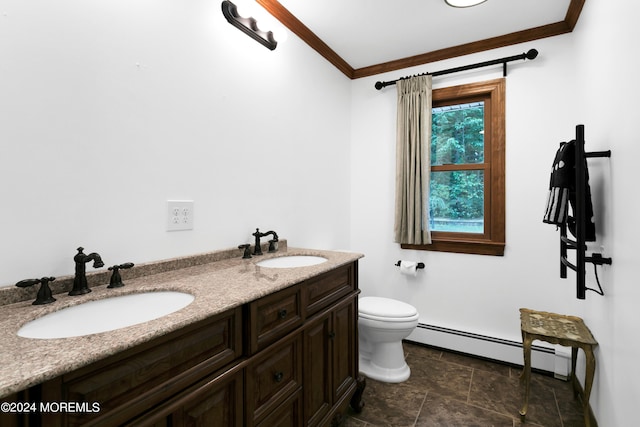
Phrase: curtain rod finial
x=532 y=54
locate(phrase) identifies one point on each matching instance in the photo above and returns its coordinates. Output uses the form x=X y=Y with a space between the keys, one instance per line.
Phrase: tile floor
x=449 y=389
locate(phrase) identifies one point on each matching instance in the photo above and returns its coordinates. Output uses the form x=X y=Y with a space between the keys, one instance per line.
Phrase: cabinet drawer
x=324 y=290
x=273 y=377
x=288 y=414
x=272 y=317
x=131 y=382
x=215 y=401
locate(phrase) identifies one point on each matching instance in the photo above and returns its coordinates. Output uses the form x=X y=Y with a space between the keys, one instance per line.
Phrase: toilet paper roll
x=408 y=268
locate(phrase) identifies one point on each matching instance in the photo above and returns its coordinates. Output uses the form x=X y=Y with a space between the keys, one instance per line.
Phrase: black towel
x=562 y=190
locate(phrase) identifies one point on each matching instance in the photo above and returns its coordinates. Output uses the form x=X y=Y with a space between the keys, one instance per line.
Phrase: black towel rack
x=579 y=245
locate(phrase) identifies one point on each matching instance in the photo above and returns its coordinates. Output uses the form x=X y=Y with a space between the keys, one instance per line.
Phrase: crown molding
x=302 y=31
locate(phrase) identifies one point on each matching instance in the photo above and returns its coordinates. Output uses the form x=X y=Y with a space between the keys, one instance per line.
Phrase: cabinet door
x=330 y=371
x=317 y=370
x=344 y=348
x=272 y=377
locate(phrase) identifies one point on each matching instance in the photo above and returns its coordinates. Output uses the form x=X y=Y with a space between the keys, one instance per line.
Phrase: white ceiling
x=370 y=32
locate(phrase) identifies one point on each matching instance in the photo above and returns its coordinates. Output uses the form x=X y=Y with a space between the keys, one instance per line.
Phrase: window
x=467 y=200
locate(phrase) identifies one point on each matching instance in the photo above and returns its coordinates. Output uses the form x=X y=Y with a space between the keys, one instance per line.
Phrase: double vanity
x=270 y=340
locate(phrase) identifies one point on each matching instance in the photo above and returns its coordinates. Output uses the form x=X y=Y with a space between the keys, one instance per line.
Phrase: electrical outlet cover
x=179 y=215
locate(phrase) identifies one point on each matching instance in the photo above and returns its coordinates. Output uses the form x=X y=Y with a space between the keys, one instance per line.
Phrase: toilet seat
x=386 y=310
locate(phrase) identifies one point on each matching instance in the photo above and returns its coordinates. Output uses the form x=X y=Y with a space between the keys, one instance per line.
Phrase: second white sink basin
x=292 y=261
x=105 y=315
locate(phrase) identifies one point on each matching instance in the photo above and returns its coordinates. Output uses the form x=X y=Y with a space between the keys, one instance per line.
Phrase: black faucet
x=80 y=285
x=273 y=243
x=44 y=293
x=116 y=279
x=246 y=253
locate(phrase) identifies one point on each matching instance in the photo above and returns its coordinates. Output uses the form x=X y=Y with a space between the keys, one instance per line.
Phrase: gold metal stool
x=569 y=331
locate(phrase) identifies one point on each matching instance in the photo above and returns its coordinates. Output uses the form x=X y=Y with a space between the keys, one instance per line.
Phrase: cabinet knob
x=332 y=335
x=278 y=377
x=282 y=313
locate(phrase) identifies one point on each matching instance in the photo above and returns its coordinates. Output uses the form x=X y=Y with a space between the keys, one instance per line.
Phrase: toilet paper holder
x=418 y=266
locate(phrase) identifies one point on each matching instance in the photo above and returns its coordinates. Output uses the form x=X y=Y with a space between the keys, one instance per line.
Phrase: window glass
x=457 y=134
x=456 y=201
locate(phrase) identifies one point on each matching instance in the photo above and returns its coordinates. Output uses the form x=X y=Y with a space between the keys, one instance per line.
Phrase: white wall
x=585 y=77
x=110 y=108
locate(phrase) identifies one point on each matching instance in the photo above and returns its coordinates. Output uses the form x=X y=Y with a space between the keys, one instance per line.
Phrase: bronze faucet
x=273 y=243
x=80 y=285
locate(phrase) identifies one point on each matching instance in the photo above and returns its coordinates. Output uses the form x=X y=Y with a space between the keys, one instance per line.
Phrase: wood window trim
x=492 y=242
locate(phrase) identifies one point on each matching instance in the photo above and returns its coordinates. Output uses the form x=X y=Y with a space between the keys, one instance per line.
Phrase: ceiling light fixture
x=249 y=26
x=463 y=3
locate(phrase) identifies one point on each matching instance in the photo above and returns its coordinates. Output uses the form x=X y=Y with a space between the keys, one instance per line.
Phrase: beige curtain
x=413 y=142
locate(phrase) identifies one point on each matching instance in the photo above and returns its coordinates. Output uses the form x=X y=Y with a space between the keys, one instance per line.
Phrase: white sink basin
x=105 y=315
x=292 y=261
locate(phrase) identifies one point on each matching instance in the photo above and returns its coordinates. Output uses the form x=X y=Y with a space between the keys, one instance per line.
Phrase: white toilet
x=382 y=325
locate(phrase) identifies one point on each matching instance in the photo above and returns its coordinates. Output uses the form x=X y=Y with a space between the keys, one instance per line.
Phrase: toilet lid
x=377 y=307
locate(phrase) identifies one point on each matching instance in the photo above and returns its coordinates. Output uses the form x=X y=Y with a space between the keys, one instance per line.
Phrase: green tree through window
x=456 y=199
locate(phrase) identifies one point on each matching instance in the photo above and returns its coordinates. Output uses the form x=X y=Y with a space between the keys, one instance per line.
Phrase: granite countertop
x=217 y=287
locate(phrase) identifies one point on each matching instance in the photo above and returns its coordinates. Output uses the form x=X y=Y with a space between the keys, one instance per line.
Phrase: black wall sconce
x=249 y=26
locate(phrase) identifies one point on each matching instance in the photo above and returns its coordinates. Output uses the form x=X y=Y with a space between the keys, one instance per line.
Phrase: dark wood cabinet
x=272 y=376
x=318 y=395
x=321 y=291
x=287 y=359
x=216 y=401
x=344 y=349
x=326 y=339
x=288 y=414
x=273 y=316
x=331 y=369
x=219 y=402
x=130 y=383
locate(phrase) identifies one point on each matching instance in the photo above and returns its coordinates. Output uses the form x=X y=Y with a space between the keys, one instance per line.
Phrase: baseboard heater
x=543 y=358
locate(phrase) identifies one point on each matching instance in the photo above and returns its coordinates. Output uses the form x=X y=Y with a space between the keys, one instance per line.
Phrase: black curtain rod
x=531 y=54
